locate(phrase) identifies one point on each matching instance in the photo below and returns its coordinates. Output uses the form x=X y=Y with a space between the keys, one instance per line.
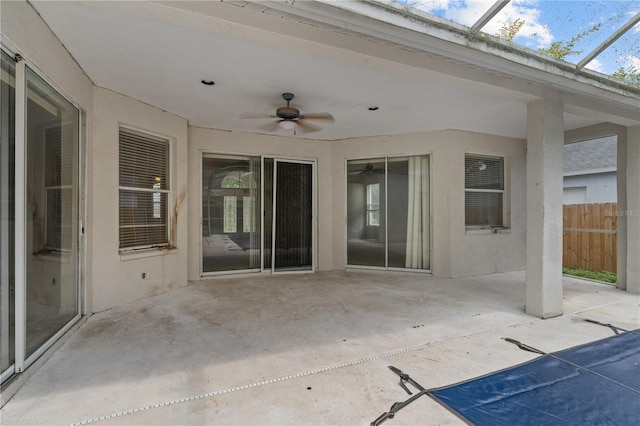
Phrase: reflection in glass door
x=293 y=218
x=230 y=213
x=366 y=213
x=388 y=212
x=52 y=184
x=7 y=222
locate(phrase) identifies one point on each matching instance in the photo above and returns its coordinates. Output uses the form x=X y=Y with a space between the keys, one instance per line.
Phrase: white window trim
x=505 y=228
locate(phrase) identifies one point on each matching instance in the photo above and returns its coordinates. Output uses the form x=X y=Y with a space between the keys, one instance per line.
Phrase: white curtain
x=418 y=214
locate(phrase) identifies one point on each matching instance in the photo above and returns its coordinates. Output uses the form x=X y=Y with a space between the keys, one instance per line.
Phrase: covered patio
x=302 y=349
x=152 y=161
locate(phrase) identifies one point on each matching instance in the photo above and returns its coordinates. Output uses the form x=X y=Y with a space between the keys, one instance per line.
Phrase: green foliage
x=562 y=49
x=605 y=276
x=630 y=76
x=510 y=29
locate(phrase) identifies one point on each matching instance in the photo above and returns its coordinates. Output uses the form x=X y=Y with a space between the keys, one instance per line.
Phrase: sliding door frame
x=21 y=361
x=263 y=224
x=386 y=216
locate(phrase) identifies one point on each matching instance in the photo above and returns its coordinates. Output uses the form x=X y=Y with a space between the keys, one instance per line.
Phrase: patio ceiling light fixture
x=287 y=124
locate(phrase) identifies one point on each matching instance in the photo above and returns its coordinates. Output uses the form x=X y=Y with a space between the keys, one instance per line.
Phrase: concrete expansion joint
x=278 y=379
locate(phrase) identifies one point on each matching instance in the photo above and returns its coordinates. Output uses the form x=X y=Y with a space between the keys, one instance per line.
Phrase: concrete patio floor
x=301 y=349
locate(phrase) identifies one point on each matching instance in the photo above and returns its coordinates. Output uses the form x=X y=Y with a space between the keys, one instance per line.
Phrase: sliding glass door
x=388 y=212
x=366 y=214
x=257 y=214
x=52 y=182
x=230 y=213
x=39 y=215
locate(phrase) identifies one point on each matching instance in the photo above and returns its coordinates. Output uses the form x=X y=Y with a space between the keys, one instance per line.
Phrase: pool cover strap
x=404 y=378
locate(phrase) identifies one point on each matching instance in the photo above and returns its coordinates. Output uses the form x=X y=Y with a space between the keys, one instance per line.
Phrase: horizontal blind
x=484 y=190
x=144 y=161
x=144 y=190
x=483 y=208
x=483 y=172
x=58 y=181
x=59 y=230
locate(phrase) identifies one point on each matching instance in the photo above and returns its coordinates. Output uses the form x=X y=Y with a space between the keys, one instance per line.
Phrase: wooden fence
x=589 y=236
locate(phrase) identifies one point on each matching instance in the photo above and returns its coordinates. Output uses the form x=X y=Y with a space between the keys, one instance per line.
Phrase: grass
x=608 y=277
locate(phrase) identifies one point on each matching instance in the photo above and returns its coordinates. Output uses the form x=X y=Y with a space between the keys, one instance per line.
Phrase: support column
x=545 y=141
x=628 y=228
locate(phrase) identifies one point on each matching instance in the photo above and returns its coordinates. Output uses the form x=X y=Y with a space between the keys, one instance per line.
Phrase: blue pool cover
x=593 y=384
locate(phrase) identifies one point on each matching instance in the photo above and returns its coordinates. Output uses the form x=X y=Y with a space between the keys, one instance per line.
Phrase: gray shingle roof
x=590 y=155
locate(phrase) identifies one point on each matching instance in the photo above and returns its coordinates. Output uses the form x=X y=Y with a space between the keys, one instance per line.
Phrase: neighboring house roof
x=593 y=156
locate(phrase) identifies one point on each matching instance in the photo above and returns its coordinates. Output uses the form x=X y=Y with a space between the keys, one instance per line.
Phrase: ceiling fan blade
x=270 y=127
x=304 y=127
x=244 y=116
x=317 y=116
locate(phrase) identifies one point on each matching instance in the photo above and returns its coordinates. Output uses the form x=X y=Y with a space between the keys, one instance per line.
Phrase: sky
x=546 y=21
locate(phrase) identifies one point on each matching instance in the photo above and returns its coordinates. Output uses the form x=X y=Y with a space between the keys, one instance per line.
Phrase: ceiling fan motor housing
x=287 y=113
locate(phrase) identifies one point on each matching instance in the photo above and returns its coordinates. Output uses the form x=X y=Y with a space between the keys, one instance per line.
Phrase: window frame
x=160 y=139
x=503 y=192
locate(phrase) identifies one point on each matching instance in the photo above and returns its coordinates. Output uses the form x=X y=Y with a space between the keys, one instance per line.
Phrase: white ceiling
x=159 y=54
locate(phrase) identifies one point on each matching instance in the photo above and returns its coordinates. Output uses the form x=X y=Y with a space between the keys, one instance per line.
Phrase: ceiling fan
x=290 y=118
x=368 y=170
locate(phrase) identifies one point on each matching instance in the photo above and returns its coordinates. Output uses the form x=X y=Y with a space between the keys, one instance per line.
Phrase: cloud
x=596 y=65
x=631 y=62
x=532 y=33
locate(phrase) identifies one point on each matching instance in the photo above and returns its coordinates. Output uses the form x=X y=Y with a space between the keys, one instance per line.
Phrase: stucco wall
x=117 y=278
x=26 y=34
x=222 y=142
x=455 y=253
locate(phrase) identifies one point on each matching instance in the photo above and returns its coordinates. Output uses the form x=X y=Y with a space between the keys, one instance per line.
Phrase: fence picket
x=589 y=236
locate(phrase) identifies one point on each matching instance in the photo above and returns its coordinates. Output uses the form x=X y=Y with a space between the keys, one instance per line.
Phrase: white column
x=545 y=140
x=628 y=265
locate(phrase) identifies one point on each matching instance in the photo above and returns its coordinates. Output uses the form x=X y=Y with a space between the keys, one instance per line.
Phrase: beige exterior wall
x=24 y=32
x=455 y=253
x=117 y=278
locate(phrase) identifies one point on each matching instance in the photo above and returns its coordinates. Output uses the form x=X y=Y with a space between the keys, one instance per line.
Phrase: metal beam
x=488 y=15
x=613 y=37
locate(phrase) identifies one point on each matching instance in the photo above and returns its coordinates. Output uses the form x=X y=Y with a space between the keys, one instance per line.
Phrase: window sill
x=144 y=253
x=52 y=256
x=487 y=230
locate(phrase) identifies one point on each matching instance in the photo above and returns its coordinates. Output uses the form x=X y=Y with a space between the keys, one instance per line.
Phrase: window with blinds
x=144 y=190
x=484 y=191
x=58 y=189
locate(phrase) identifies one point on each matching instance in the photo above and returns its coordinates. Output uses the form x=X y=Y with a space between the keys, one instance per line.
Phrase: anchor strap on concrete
x=615 y=329
x=523 y=346
x=397 y=406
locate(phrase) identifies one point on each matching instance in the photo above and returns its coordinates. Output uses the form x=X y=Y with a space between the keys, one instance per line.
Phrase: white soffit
x=159 y=54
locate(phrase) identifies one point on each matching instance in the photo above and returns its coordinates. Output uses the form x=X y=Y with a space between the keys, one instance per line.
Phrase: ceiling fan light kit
x=287 y=124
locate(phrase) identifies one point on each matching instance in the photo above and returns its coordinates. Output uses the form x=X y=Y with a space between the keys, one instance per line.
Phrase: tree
x=630 y=76
x=510 y=29
x=562 y=49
